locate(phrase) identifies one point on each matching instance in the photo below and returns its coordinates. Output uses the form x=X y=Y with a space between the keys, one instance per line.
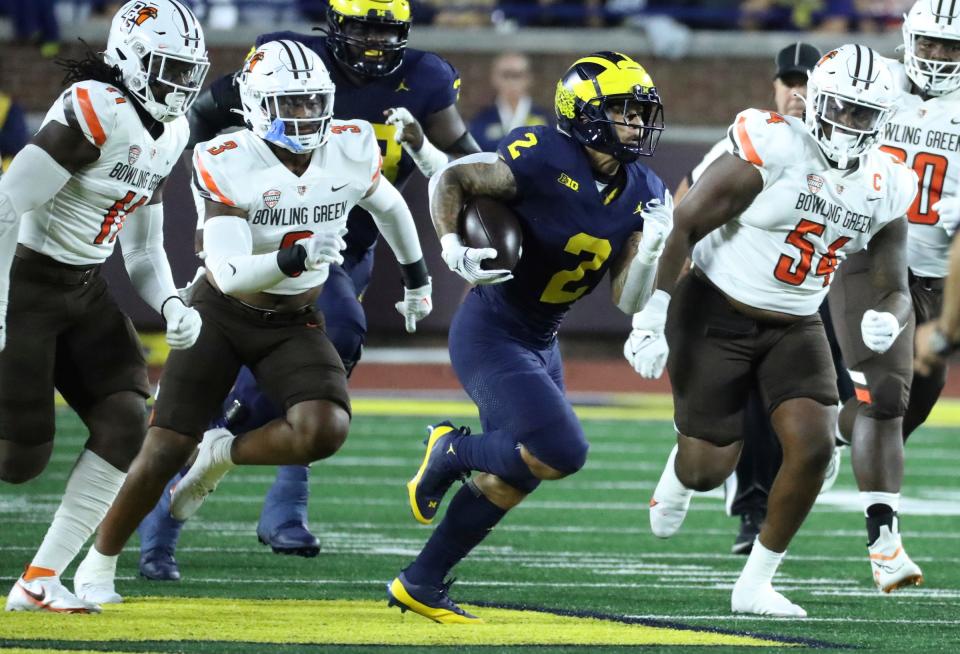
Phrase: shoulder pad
x=766 y=139
x=895 y=181
x=91 y=107
x=357 y=142
x=217 y=163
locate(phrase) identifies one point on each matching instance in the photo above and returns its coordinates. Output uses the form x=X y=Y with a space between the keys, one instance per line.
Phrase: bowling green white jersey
x=781 y=252
x=926 y=136
x=79 y=225
x=239 y=169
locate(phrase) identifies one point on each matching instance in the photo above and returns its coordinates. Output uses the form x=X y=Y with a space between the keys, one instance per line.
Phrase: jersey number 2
x=793 y=272
x=116 y=214
x=556 y=291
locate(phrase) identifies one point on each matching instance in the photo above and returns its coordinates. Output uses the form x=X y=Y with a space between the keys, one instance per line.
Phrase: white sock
x=761 y=565
x=869 y=498
x=220 y=451
x=669 y=483
x=101 y=564
x=91 y=489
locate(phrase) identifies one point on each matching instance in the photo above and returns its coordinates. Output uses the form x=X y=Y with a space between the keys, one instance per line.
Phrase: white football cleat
x=833 y=468
x=670 y=501
x=46 y=594
x=203 y=476
x=892 y=568
x=763 y=600
x=94 y=585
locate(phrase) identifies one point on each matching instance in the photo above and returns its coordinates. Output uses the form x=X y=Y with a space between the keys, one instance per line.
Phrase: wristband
x=292 y=260
x=414 y=274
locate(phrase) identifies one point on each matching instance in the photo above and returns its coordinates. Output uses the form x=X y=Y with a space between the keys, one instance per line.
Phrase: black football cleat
x=749 y=530
x=291 y=537
x=440 y=468
x=432 y=602
x=159 y=564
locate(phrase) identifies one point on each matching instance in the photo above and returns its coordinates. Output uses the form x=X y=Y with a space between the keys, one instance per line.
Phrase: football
x=487 y=223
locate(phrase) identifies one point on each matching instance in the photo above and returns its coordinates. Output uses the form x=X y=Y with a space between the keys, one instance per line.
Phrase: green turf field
x=580 y=546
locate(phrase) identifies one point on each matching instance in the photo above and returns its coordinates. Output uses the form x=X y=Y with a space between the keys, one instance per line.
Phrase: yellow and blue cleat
x=440 y=468
x=432 y=602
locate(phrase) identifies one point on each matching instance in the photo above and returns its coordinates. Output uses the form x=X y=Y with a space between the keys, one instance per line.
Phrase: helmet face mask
x=850 y=97
x=625 y=122
x=932 y=46
x=369 y=44
x=287 y=96
x=158 y=45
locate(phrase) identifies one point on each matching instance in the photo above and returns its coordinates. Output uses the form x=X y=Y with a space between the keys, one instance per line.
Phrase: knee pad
x=247 y=407
x=886 y=396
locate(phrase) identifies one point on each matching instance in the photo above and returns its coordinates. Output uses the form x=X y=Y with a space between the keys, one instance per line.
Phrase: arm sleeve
x=144 y=257
x=229 y=245
x=394 y=220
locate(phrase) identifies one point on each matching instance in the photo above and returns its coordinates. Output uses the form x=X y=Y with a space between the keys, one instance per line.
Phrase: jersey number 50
x=932 y=170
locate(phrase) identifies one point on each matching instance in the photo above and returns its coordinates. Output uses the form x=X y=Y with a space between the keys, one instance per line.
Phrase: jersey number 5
x=557 y=291
x=116 y=214
x=793 y=272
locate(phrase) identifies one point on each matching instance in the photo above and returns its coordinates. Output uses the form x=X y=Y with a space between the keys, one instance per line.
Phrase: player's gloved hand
x=409 y=131
x=949 y=210
x=183 y=323
x=879 y=330
x=416 y=305
x=323 y=248
x=646 y=348
x=466 y=261
x=657 y=224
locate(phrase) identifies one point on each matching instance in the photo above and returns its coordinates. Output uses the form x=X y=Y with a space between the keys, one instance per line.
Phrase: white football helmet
x=286 y=95
x=159 y=48
x=932 y=19
x=851 y=94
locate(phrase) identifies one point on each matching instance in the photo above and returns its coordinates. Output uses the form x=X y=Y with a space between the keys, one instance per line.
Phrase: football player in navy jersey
x=409 y=96
x=585 y=206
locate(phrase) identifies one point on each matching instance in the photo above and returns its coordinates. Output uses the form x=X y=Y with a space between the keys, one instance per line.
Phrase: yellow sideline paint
x=345 y=622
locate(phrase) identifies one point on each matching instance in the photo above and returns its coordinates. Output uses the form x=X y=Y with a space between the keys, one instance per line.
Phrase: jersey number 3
x=793 y=272
x=557 y=291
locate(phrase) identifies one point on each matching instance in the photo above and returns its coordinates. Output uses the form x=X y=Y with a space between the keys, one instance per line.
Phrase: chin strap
x=277 y=134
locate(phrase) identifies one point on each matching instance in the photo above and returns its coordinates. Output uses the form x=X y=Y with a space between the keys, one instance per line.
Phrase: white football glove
x=323 y=248
x=408 y=133
x=949 y=210
x=402 y=120
x=646 y=348
x=186 y=293
x=657 y=223
x=416 y=305
x=879 y=330
x=466 y=261
x=183 y=323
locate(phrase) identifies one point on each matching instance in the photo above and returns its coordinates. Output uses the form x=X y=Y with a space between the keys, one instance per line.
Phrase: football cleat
x=291 y=537
x=95 y=585
x=833 y=468
x=892 y=568
x=763 y=600
x=46 y=594
x=202 y=478
x=749 y=530
x=440 y=468
x=159 y=564
x=670 y=501
x=432 y=602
